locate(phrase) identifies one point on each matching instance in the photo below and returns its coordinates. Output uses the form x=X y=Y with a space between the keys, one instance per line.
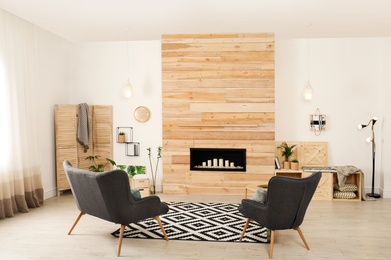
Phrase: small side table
x=142 y=185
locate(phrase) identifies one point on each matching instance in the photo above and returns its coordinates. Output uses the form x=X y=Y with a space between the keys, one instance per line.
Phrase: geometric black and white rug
x=199 y=222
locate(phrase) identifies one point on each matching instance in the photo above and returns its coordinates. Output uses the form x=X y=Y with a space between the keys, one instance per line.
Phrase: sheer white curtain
x=20 y=174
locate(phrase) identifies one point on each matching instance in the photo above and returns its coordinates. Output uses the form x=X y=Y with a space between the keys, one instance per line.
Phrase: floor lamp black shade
x=372 y=141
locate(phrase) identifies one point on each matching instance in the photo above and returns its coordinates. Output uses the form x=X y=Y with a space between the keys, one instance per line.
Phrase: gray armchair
x=285 y=206
x=107 y=195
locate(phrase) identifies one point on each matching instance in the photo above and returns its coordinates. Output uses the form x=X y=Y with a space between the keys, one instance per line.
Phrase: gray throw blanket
x=83 y=130
x=343 y=172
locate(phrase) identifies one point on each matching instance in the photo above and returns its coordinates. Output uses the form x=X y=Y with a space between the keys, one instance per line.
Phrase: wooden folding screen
x=67 y=147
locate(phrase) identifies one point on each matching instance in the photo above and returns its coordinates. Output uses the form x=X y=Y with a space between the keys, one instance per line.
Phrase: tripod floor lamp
x=372 y=141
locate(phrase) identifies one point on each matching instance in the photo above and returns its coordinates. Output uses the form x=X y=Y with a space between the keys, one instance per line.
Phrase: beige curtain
x=20 y=174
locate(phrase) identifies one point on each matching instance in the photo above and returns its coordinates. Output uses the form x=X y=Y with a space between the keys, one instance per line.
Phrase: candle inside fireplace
x=216 y=159
x=215 y=163
x=209 y=163
x=221 y=163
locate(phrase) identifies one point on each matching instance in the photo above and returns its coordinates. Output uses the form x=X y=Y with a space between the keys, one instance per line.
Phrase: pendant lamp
x=128 y=90
x=308 y=91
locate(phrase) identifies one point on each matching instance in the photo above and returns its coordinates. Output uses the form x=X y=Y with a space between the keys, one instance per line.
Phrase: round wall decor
x=142 y=114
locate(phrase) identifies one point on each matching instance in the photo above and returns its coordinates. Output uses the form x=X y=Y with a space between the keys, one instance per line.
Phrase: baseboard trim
x=386 y=194
x=49 y=194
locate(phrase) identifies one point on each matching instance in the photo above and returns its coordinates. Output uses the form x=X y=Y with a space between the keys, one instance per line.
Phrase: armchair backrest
x=105 y=195
x=288 y=200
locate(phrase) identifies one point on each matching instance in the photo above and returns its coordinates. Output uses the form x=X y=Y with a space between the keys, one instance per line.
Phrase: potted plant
x=154 y=174
x=96 y=167
x=121 y=137
x=287 y=152
x=121 y=167
x=295 y=164
x=133 y=170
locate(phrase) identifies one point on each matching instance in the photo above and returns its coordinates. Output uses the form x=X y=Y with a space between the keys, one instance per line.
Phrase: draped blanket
x=343 y=172
x=83 y=130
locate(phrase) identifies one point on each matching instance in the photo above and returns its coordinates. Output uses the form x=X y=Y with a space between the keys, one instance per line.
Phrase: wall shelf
x=131 y=148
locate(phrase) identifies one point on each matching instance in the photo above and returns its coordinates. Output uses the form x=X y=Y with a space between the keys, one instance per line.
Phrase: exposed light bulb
x=361 y=126
x=308 y=92
x=128 y=90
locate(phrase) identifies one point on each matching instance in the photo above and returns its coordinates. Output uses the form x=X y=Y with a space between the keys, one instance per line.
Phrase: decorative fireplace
x=217 y=159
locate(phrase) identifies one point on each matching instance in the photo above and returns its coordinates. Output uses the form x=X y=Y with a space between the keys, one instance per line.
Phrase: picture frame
x=277 y=163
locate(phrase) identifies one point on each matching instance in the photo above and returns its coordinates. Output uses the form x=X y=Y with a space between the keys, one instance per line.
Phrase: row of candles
x=218 y=163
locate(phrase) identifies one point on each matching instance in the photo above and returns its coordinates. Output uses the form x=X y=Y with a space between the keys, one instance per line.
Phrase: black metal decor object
x=372 y=141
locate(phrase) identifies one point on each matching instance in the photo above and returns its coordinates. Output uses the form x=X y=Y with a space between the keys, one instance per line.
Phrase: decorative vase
x=295 y=166
x=121 y=138
x=153 y=189
x=287 y=165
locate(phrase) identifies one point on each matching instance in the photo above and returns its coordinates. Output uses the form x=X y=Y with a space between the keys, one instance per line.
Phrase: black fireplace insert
x=217 y=159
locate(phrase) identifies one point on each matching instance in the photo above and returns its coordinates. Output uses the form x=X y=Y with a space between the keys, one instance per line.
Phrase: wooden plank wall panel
x=218 y=92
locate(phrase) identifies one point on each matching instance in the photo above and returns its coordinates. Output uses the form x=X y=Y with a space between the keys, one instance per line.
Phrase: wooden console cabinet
x=315 y=154
x=142 y=185
x=354 y=178
x=326 y=184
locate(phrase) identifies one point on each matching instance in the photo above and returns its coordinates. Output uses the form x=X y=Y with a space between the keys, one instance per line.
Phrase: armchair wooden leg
x=302 y=237
x=271 y=243
x=77 y=220
x=161 y=226
x=121 y=236
x=244 y=229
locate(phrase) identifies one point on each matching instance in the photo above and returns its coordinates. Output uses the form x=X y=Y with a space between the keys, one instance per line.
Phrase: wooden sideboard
x=316 y=154
x=326 y=184
x=142 y=185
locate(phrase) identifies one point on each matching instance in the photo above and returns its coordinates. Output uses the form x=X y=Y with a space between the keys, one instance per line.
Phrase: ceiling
x=119 y=20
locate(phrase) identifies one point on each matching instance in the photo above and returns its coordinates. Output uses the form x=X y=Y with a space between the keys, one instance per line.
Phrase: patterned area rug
x=199 y=222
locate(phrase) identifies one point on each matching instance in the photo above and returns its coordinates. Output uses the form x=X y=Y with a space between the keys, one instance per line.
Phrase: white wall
x=349 y=78
x=99 y=73
x=346 y=76
x=53 y=85
x=385 y=138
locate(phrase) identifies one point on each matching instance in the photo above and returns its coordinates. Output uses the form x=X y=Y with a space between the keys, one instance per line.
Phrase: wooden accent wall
x=218 y=92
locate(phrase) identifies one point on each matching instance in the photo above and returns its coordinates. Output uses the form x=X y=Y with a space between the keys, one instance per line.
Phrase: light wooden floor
x=334 y=230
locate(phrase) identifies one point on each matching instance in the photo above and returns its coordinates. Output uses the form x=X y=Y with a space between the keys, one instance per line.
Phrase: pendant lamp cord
x=127 y=52
x=308 y=59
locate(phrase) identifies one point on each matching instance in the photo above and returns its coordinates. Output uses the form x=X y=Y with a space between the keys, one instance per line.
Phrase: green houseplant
x=96 y=167
x=121 y=137
x=295 y=164
x=286 y=152
x=133 y=170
